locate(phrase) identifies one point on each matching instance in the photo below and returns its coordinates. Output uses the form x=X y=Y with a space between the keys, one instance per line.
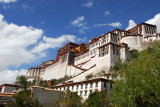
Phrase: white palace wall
x=131 y=41
x=53 y=71
x=72 y=71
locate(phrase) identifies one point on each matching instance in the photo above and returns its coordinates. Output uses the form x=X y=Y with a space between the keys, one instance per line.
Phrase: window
x=96 y=84
x=81 y=86
x=85 y=93
x=72 y=87
x=77 y=87
x=86 y=86
x=110 y=86
x=117 y=52
x=113 y=50
x=91 y=85
x=108 y=77
x=104 y=85
x=90 y=91
x=64 y=88
x=81 y=93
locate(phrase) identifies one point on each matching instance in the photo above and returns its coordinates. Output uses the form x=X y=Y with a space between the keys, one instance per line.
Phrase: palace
x=100 y=54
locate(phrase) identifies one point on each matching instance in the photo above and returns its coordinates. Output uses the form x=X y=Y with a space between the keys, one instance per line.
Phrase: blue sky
x=32 y=31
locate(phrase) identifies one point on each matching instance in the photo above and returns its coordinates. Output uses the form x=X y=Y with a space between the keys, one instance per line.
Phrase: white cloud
x=8 y=76
x=78 y=22
x=89 y=4
x=18 y=46
x=81 y=24
x=83 y=29
x=106 y=13
x=100 y=25
x=115 y=24
x=7 y=1
x=14 y=41
x=52 y=43
x=155 y=21
x=131 y=24
x=79 y=40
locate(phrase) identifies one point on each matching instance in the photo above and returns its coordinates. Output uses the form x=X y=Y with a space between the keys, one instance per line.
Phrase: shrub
x=89 y=76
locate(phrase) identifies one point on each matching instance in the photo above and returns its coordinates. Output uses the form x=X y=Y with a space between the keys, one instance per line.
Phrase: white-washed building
x=84 y=88
x=100 y=54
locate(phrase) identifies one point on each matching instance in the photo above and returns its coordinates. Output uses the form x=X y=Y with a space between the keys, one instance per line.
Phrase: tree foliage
x=98 y=99
x=140 y=84
x=58 y=81
x=23 y=99
x=68 y=99
x=22 y=80
x=119 y=66
x=88 y=76
x=134 y=53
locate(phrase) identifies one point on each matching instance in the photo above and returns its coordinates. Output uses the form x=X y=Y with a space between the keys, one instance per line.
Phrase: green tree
x=98 y=99
x=88 y=76
x=23 y=99
x=22 y=80
x=134 y=53
x=119 y=66
x=68 y=99
x=139 y=85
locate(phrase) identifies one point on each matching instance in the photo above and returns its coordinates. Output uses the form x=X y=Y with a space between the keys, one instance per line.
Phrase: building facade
x=9 y=88
x=100 y=54
x=84 y=88
x=7 y=91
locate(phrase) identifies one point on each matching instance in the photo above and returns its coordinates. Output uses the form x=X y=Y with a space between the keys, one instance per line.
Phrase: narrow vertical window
x=85 y=93
x=105 y=85
x=86 y=86
x=77 y=87
x=81 y=86
x=96 y=84
x=91 y=85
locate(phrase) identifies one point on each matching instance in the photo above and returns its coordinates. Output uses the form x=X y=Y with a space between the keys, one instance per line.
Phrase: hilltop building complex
x=100 y=54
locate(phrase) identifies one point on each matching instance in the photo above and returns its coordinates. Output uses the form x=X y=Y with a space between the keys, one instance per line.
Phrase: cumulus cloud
x=155 y=21
x=23 y=45
x=115 y=24
x=52 y=43
x=8 y=76
x=106 y=13
x=14 y=41
x=7 y=1
x=131 y=24
x=88 y=4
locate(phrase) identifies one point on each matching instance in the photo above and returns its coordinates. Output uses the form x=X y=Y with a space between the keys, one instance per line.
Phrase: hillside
x=140 y=80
